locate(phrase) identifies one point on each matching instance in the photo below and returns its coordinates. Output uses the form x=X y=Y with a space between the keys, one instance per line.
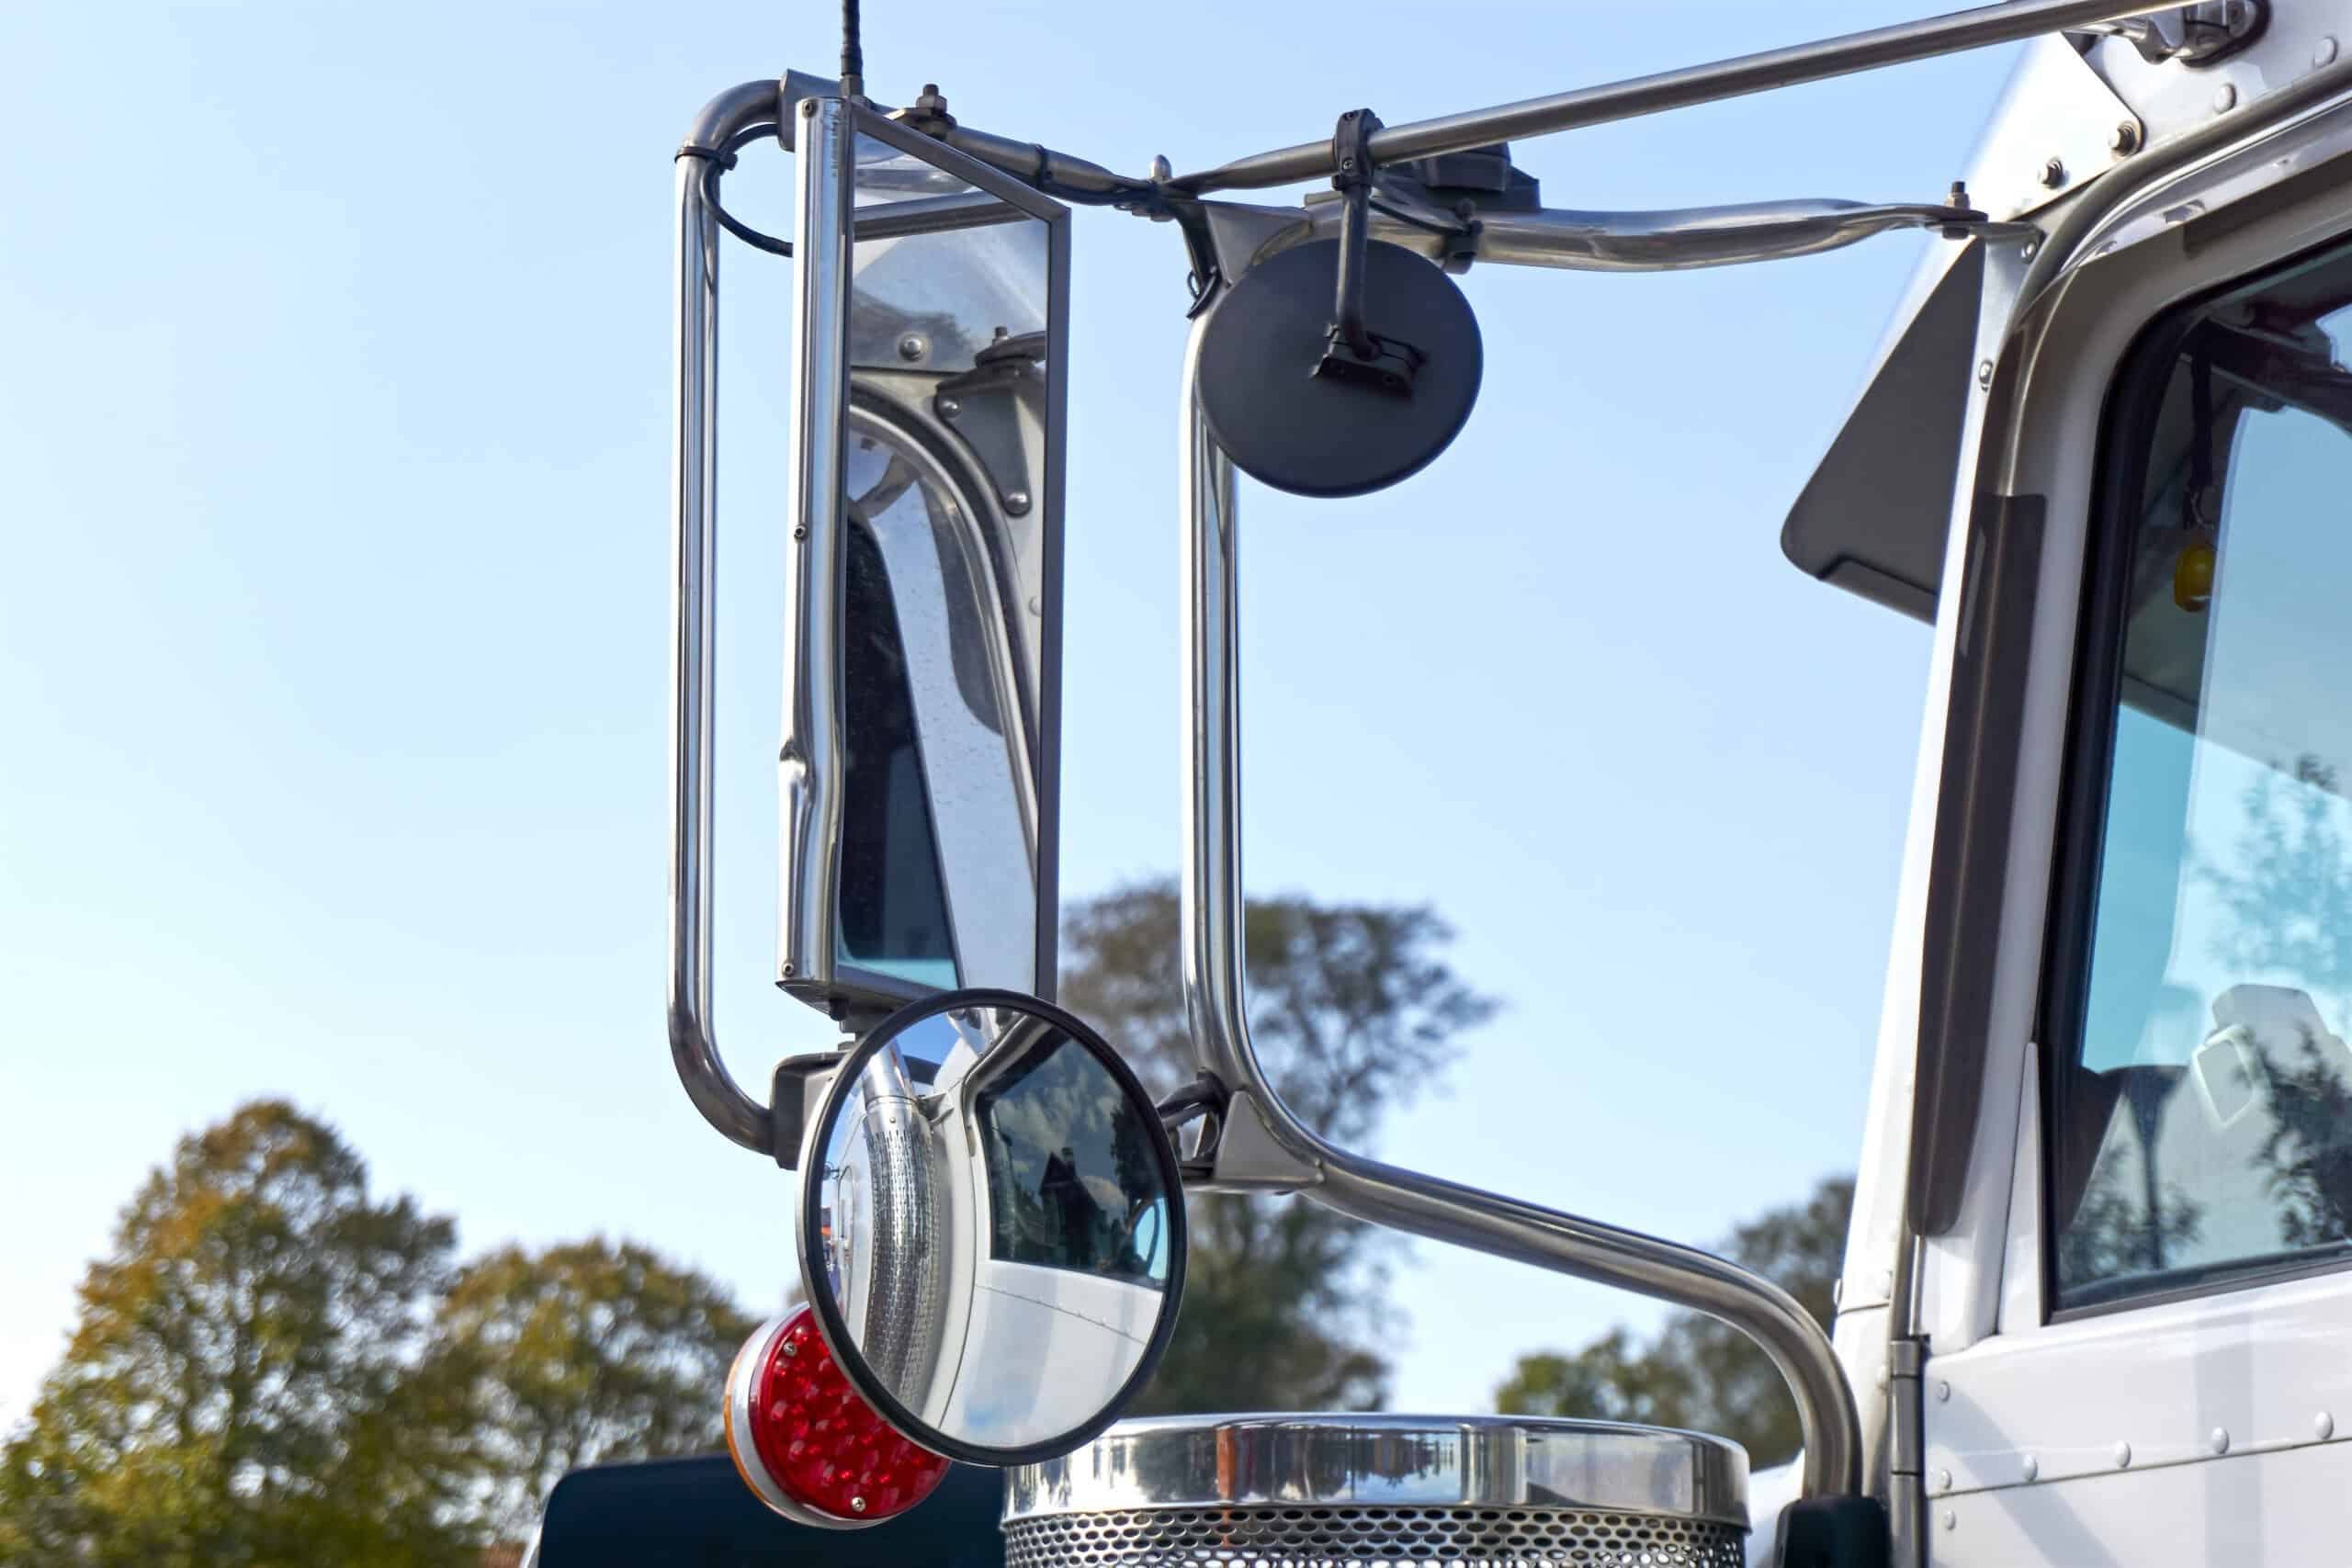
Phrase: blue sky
x=334 y=349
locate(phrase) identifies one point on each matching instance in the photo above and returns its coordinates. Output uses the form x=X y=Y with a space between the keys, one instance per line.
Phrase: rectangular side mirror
x=919 y=765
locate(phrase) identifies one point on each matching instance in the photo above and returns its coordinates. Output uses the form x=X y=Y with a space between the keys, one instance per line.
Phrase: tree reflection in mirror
x=2199 y=1127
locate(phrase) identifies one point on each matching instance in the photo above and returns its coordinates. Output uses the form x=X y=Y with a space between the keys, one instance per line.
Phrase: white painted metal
x=2053 y=132
x=2261 y=1364
x=2296 y=147
x=2284 y=1507
x=2195 y=1431
x=2172 y=96
x=1876 y=1239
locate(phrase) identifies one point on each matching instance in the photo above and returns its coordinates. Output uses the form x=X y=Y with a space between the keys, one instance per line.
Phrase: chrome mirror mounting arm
x=1262 y=1146
x=694 y=1050
x=1666 y=240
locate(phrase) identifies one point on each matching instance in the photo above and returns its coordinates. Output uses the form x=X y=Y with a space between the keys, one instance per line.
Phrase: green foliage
x=1699 y=1373
x=235 y=1392
x=583 y=1354
x=273 y=1368
x=1353 y=1013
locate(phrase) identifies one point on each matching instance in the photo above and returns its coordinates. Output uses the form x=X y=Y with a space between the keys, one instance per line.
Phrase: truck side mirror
x=919 y=768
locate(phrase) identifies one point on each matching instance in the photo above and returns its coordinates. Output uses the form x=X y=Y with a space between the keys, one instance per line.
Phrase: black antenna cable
x=852 y=53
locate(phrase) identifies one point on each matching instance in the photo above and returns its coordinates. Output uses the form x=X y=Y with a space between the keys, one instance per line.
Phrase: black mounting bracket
x=1353 y=352
x=791 y=1102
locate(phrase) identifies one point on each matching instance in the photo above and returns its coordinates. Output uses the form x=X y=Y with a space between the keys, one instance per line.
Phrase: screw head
x=949 y=408
x=2032 y=1467
x=914 y=346
x=2324 y=53
x=789 y=1348
x=1943 y=1390
x=1944 y=1481
x=1952 y=1521
x=2225 y=99
x=2054 y=173
x=1016 y=501
x=857 y=1505
x=2124 y=138
x=799 y=530
x=2122 y=1455
x=2323 y=1426
x=2219 y=1441
x=1984 y=374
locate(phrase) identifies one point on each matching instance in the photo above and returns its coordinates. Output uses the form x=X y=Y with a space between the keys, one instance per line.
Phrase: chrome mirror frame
x=807 y=115
x=811 y=759
x=809 y=1241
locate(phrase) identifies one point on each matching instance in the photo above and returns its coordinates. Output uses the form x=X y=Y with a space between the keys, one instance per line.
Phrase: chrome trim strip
x=1472 y=1461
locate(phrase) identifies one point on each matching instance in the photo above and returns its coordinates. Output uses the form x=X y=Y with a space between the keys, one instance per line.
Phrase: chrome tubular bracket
x=1264 y=1148
x=693 y=458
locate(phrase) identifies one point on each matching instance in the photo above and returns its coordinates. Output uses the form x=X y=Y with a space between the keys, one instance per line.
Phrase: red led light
x=813 y=1437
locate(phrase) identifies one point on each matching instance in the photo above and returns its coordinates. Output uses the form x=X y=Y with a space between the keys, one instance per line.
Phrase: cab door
x=2135 y=1255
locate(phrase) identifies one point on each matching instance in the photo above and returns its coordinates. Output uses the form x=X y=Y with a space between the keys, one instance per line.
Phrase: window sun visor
x=1874 y=516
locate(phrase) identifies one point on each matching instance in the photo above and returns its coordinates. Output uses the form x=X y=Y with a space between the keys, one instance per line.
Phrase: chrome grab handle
x=753 y=107
x=1261 y=1144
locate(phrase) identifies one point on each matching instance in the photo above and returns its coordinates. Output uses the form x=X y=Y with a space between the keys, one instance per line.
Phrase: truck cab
x=2101 y=1222
x=2096 y=1296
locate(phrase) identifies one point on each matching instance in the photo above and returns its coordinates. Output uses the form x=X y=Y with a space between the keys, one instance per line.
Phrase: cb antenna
x=852 y=53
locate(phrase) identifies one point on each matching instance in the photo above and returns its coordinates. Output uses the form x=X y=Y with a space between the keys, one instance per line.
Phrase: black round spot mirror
x=1295 y=408
x=992 y=1227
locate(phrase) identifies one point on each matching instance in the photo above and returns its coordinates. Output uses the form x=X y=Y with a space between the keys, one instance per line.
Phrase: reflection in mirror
x=992 y=1227
x=951 y=580
x=2198 y=1102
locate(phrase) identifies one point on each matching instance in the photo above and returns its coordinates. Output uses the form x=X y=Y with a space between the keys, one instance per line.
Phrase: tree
x=1354 y=1014
x=1699 y=1373
x=2287 y=901
x=587 y=1353
x=235 y=1391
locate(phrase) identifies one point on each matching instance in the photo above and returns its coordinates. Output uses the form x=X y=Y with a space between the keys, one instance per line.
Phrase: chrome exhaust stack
x=1344 y=1491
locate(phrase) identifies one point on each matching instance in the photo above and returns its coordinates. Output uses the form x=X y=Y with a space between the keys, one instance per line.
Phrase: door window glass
x=2203 y=1106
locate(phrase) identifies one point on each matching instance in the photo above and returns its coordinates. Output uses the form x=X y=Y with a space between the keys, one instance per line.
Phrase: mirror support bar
x=694 y=457
x=1895 y=45
x=1281 y=1155
x=810 y=760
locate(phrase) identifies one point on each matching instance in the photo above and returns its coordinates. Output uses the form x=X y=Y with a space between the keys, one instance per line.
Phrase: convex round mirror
x=992 y=1227
x=1288 y=423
